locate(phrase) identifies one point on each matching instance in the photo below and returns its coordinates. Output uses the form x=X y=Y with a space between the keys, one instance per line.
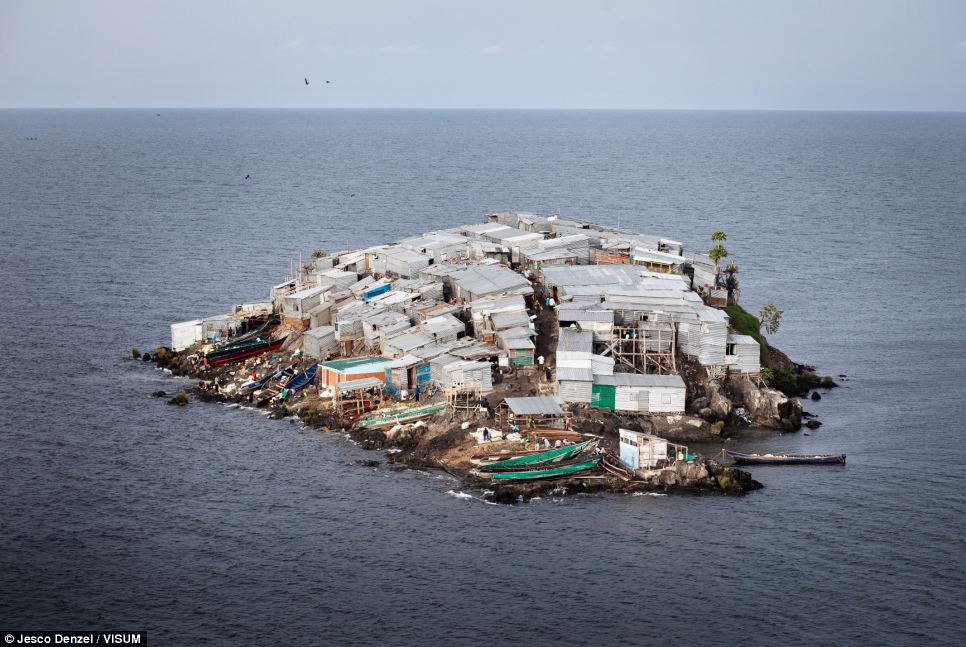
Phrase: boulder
x=719 y=404
x=698 y=404
x=816 y=395
x=767 y=407
x=813 y=424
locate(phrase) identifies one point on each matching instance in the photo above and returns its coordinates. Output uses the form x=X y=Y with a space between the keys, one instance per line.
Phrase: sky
x=674 y=54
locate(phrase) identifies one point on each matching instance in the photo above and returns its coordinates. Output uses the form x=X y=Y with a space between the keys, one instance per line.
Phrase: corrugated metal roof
x=639 y=380
x=567 y=374
x=309 y=292
x=518 y=343
x=487 y=279
x=373 y=361
x=734 y=338
x=321 y=331
x=361 y=383
x=576 y=341
x=543 y=405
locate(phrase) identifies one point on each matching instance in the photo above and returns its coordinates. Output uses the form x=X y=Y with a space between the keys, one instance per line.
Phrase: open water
x=212 y=525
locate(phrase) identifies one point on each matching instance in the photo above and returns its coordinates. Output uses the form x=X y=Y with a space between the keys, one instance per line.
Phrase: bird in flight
x=306 y=81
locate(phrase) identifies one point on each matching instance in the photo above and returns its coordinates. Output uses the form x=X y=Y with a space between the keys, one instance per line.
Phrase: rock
x=135 y=353
x=767 y=407
x=698 y=404
x=813 y=424
x=368 y=463
x=146 y=357
x=159 y=394
x=707 y=414
x=180 y=399
x=719 y=404
x=816 y=395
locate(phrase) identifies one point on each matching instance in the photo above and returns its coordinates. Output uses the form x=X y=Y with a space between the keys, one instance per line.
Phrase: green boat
x=553 y=472
x=390 y=417
x=556 y=455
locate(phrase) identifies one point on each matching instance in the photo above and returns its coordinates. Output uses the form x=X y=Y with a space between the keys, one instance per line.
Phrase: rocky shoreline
x=442 y=443
x=600 y=329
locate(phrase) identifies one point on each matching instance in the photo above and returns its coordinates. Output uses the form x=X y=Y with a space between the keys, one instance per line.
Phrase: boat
x=386 y=418
x=302 y=379
x=786 y=459
x=548 y=473
x=242 y=351
x=556 y=455
x=255 y=385
x=260 y=332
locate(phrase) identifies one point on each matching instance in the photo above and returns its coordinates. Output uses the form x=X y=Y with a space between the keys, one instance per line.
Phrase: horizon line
x=508 y=109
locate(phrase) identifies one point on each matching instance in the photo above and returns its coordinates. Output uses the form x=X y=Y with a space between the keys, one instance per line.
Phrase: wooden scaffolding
x=645 y=346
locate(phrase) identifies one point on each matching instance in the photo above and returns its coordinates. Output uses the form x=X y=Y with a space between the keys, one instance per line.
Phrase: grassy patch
x=747 y=324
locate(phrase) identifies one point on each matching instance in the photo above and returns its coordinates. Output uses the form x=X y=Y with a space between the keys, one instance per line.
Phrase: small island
x=526 y=355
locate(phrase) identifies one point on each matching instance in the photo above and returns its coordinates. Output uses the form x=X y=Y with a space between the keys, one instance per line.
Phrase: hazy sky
x=704 y=54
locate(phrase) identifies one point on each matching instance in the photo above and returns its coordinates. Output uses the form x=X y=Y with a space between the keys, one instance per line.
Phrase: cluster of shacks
x=449 y=306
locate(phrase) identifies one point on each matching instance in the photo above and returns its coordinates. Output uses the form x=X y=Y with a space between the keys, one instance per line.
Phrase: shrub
x=785 y=381
x=180 y=399
x=767 y=375
x=828 y=382
x=135 y=353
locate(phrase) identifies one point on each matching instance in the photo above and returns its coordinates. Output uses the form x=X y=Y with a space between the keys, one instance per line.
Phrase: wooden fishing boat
x=386 y=418
x=262 y=332
x=302 y=379
x=243 y=351
x=786 y=459
x=547 y=473
x=255 y=385
x=548 y=457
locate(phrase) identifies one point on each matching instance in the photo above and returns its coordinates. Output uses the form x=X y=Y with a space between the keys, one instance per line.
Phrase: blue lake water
x=212 y=525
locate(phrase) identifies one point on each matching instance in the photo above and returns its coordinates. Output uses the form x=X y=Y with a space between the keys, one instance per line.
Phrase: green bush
x=746 y=323
x=785 y=381
x=135 y=353
x=180 y=399
x=828 y=382
x=767 y=375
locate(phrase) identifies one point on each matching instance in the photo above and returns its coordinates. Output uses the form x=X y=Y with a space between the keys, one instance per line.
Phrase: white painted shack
x=442 y=247
x=702 y=271
x=405 y=343
x=185 y=334
x=638 y=393
x=443 y=328
x=574 y=384
x=337 y=278
x=397 y=261
x=705 y=338
x=743 y=354
x=316 y=342
x=298 y=304
x=463 y=375
x=656 y=261
x=380 y=325
x=478 y=281
x=641 y=451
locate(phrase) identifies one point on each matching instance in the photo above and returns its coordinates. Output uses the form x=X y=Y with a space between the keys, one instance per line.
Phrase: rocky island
x=526 y=355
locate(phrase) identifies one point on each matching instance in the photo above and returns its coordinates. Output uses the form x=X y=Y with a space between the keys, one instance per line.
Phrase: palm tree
x=718 y=251
x=731 y=282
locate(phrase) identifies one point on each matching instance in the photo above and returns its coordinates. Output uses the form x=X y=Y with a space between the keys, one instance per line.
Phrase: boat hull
x=786 y=459
x=556 y=455
x=389 y=420
x=549 y=473
x=244 y=353
x=302 y=379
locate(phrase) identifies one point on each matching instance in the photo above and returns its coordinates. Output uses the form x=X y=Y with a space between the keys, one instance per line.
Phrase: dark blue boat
x=786 y=459
x=302 y=379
